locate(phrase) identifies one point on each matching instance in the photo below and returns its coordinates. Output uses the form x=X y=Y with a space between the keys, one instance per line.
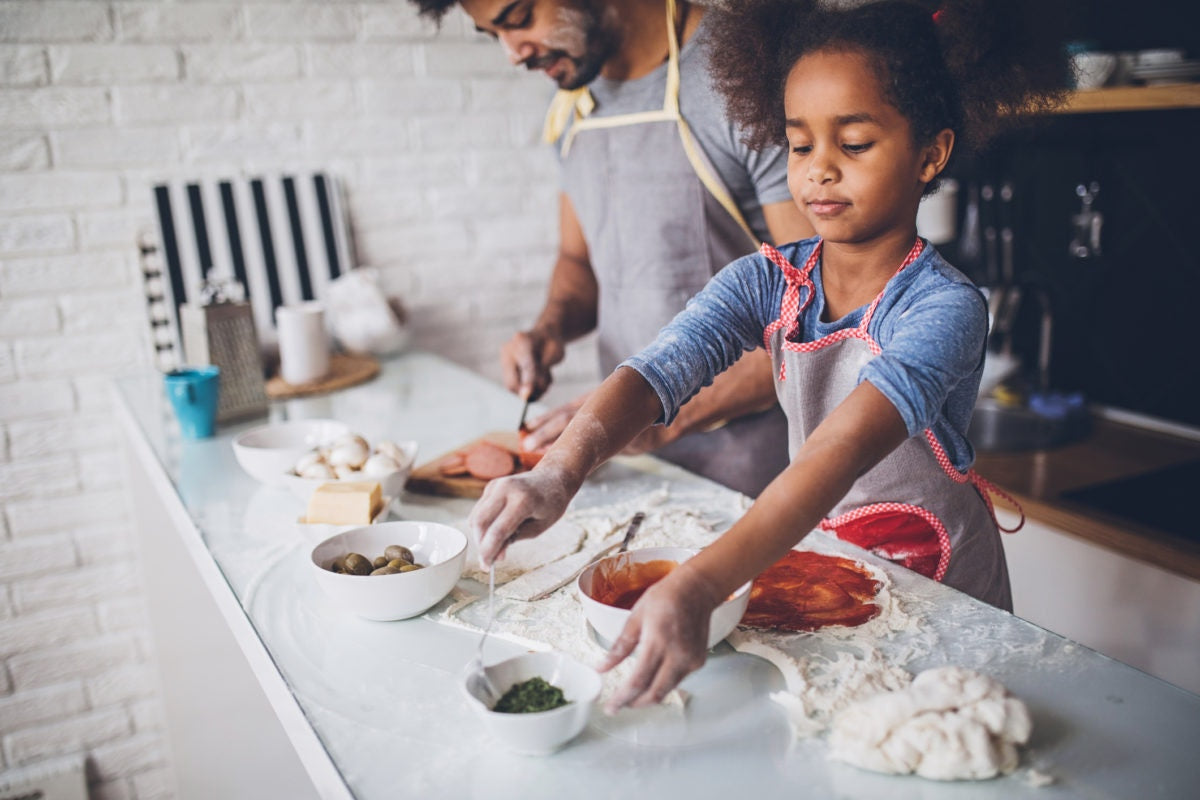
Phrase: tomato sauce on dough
x=805 y=591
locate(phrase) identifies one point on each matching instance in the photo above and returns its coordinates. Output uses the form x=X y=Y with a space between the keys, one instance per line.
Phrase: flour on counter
x=558 y=541
x=950 y=723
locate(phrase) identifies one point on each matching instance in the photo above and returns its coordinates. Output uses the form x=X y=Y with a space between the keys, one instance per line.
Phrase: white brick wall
x=436 y=139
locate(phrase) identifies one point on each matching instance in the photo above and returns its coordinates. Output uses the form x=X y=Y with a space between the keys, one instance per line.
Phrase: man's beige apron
x=913 y=507
x=648 y=265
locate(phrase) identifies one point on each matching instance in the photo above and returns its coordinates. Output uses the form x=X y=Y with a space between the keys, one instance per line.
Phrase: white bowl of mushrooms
x=269 y=452
x=350 y=457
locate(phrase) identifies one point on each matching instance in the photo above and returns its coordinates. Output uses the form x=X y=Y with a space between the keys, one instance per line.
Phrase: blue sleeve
x=928 y=350
x=726 y=318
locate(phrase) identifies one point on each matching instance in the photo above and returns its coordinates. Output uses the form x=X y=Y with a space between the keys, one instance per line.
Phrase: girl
x=877 y=343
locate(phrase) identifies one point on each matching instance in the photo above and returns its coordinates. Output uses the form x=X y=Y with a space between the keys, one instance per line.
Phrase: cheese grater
x=222 y=333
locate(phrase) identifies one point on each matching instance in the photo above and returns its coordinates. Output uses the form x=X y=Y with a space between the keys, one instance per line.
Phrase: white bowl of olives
x=546 y=700
x=390 y=570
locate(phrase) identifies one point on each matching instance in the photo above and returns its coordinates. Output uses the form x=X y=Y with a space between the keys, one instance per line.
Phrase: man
x=658 y=193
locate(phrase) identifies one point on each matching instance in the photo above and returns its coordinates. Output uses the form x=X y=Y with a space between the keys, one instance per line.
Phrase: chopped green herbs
x=534 y=694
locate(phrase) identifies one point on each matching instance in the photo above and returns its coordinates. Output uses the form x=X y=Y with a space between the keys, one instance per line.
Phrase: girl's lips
x=828 y=208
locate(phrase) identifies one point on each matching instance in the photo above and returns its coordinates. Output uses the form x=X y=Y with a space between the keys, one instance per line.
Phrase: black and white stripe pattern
x=282 y=238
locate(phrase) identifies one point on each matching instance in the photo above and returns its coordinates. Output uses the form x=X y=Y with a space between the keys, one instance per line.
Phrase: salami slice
x=488 y=461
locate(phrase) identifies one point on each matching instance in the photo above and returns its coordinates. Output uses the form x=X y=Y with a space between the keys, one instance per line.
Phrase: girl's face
x=853 y=167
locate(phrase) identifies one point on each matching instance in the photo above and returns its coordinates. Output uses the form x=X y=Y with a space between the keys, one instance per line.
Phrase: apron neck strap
x=913 y=252
x=671 y=97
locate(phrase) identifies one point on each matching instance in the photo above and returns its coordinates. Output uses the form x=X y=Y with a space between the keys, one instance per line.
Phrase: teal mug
x=193 y=393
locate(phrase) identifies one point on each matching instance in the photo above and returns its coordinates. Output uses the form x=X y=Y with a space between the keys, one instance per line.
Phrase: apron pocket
x=904 y=534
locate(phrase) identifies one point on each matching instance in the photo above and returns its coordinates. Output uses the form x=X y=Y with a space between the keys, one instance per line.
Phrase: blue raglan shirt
x=931 y=326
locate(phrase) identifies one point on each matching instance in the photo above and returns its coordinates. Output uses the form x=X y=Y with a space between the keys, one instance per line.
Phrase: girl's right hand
x=518 y=507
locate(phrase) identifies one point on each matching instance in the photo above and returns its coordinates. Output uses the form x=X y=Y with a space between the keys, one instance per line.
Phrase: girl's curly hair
x=978 y=68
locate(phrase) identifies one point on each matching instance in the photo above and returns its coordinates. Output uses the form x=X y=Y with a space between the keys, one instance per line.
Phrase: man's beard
x=599 y=44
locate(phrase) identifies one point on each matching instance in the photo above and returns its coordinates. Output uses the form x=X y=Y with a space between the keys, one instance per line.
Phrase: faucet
x=1086 y=224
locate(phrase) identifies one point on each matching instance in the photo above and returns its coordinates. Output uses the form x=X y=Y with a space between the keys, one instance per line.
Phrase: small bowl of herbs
x=545 y=701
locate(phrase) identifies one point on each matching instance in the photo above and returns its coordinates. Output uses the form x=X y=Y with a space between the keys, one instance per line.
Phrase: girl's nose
x=821 y=169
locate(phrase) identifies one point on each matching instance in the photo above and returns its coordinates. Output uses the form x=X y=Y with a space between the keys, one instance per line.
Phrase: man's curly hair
x=434 y=9
x=974 y=70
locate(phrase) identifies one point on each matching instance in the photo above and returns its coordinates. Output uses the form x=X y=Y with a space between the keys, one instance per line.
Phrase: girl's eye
x=802 y=149
x=857 y=148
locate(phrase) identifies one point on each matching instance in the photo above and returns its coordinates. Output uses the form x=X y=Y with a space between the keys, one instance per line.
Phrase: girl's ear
x=936 y=154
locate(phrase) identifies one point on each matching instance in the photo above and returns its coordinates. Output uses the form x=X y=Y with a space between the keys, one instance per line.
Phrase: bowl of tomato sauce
x=609 y=588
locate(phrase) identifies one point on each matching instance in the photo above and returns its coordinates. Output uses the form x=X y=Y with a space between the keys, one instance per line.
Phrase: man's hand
x=543 y=431
x=526 y=360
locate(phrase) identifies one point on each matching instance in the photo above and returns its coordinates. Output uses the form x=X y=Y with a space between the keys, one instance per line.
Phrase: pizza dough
x=950 y=723
x=559 y=540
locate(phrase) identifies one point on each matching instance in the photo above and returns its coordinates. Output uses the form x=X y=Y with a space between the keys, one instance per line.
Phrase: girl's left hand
x=669 y=626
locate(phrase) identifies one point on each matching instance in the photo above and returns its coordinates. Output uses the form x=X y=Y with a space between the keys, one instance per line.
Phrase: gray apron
x=659 y=225
x=914 y=507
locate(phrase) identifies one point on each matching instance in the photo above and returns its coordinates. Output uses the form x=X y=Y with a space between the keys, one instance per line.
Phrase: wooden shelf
x=1133 y=98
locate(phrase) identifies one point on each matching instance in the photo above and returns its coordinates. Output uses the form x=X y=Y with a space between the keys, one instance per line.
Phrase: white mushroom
x=349 y=451
x=317 y=469
x=344 y=473
x=379 y=465
x=392 y=451
x=307 y=460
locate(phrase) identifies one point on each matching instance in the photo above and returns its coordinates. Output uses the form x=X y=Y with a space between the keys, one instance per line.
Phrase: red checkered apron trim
x=985 y=487
x=865 y=511
x=791 y=307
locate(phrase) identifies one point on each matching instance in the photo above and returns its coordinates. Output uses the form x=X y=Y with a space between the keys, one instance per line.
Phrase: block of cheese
x=345 y=503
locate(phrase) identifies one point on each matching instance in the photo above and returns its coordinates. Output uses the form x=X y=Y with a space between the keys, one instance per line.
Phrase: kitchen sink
x=997 y=427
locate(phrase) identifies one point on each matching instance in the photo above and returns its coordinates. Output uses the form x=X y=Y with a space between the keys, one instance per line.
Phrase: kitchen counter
x=1047 y=484
x=375 y=710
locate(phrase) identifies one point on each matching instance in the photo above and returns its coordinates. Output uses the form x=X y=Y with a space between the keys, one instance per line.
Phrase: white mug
x=936 y=216
x=303 y=343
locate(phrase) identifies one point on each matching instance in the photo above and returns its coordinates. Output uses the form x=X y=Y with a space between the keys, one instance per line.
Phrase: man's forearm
x=745 y=388
x=570 y=310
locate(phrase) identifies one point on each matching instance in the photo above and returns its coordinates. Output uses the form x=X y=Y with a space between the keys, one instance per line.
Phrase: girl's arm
x=522 y=506
x=669 y=625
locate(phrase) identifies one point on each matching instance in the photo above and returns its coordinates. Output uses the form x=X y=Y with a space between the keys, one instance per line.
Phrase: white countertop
x=373 y=706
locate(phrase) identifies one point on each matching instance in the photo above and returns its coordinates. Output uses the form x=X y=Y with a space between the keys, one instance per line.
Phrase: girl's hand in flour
x=669 y=627
x=518 y=507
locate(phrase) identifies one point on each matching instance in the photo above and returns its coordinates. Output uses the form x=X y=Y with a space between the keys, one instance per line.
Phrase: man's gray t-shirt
x=753 y=178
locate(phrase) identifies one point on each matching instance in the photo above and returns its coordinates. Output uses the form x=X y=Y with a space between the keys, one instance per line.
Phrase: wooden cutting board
x=428 y=478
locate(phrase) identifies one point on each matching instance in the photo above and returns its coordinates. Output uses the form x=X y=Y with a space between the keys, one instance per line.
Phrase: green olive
x=398 y=563
x=357 y=564
x=398 y=551
x=410 y=567
x=386 y=571
x=379 y=561
x=338 y=565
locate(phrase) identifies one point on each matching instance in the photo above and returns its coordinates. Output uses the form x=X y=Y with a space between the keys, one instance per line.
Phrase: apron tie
x=791 y=307
x=986 y=490
x=567 y=105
